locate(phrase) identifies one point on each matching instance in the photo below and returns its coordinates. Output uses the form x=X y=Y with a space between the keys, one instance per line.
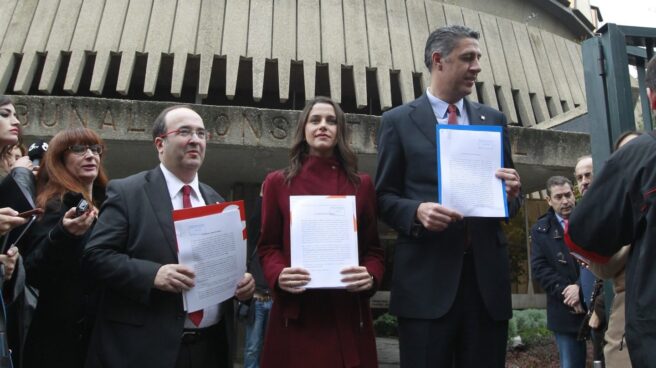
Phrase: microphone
x=36 y=151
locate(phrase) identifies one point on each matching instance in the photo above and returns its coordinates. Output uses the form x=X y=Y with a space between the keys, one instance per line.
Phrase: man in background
x=557 y=272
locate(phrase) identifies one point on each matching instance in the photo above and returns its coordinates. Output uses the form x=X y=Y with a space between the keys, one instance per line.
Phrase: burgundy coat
x=318 y=328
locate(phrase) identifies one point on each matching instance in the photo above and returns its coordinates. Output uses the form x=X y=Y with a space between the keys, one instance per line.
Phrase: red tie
x=196 y=316
x=453 y=114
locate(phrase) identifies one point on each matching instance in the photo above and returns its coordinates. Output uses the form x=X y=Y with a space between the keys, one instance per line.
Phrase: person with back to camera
x=72 y=170
x=319 y=327
x=618 y=209
x=616 y=351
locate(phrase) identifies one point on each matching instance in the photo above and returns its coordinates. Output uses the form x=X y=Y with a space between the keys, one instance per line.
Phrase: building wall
x=368 y=54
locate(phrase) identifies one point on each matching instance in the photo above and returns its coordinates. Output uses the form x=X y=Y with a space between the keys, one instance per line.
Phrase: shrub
x=531 y=325
x=386 y=325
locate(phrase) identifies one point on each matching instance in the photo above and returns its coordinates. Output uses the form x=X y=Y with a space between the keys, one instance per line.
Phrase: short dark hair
x=557 y=181
x=444 y=39
x=624 y=136
x=650 y=76
x=159 y=125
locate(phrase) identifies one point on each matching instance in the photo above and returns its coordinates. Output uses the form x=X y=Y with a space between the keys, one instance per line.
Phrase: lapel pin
x=482 y=117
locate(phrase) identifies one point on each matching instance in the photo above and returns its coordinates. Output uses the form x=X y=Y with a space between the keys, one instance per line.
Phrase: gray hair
x=557 y=181
x=444 y=39
x=584 y=157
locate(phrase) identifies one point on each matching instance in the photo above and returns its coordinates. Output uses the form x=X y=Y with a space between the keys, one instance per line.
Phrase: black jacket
x=138 y=325
x=60 y=330
x=618 y=209
x=554 y=269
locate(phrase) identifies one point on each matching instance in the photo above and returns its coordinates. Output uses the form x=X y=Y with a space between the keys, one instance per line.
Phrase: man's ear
x=437 y=60
x=158 y=143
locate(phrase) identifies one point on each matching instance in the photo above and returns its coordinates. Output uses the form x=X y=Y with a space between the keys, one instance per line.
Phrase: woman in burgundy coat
x=319 y=327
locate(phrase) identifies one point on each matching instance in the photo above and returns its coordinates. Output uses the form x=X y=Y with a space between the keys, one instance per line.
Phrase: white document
x=324 y=237
x=468 y=157
x=213 y=246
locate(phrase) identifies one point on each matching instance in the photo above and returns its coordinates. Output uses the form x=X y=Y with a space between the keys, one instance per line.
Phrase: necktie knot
x=452 y=114
x=186 y=190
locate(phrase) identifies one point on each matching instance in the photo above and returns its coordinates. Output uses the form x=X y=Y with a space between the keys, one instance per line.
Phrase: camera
x=81 y=207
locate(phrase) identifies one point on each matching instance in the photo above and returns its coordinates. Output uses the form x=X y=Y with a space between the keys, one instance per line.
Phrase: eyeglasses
x=81 y=149
x=187 y=133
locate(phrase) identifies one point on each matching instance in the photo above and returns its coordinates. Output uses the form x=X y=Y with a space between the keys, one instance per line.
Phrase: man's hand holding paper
x=212 y=256
x=174 y=278
x=513 y=183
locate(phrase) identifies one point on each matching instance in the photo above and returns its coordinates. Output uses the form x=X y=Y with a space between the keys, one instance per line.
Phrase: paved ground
x=388 y=352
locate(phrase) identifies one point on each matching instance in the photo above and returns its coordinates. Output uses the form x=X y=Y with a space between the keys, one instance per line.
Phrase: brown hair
x=624 y=136
x=18 y=145
x=557 y=181
x=300 y=148
x=4 y=100
x=55 y=180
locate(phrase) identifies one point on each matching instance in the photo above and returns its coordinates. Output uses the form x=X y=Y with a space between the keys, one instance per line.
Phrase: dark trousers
x=464 y=337
x=597 y=338
x=208 y=350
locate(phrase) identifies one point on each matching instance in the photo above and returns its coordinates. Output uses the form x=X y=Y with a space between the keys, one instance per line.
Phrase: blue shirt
x=440 y=109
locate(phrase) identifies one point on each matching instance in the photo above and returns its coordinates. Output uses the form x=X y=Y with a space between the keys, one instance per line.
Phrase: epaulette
x=543 y=225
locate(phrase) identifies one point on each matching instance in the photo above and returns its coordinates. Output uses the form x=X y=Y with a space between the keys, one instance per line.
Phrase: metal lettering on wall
x=132 y=120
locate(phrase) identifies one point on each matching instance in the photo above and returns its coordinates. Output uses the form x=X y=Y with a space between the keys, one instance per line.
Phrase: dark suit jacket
x=427 y=267
x=554 y=269
x=137 y=325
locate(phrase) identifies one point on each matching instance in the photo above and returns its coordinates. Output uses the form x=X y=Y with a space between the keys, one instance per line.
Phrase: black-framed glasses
x=81 y=149
x=187 y=133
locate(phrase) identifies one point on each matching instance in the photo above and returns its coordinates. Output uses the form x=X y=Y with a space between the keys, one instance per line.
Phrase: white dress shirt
x=211 y=315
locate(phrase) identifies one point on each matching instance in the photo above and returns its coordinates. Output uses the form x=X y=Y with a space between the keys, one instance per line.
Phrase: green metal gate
x=606 y=60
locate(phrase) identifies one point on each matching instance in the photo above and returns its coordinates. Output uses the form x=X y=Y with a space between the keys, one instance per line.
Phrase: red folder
x=211 y=209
